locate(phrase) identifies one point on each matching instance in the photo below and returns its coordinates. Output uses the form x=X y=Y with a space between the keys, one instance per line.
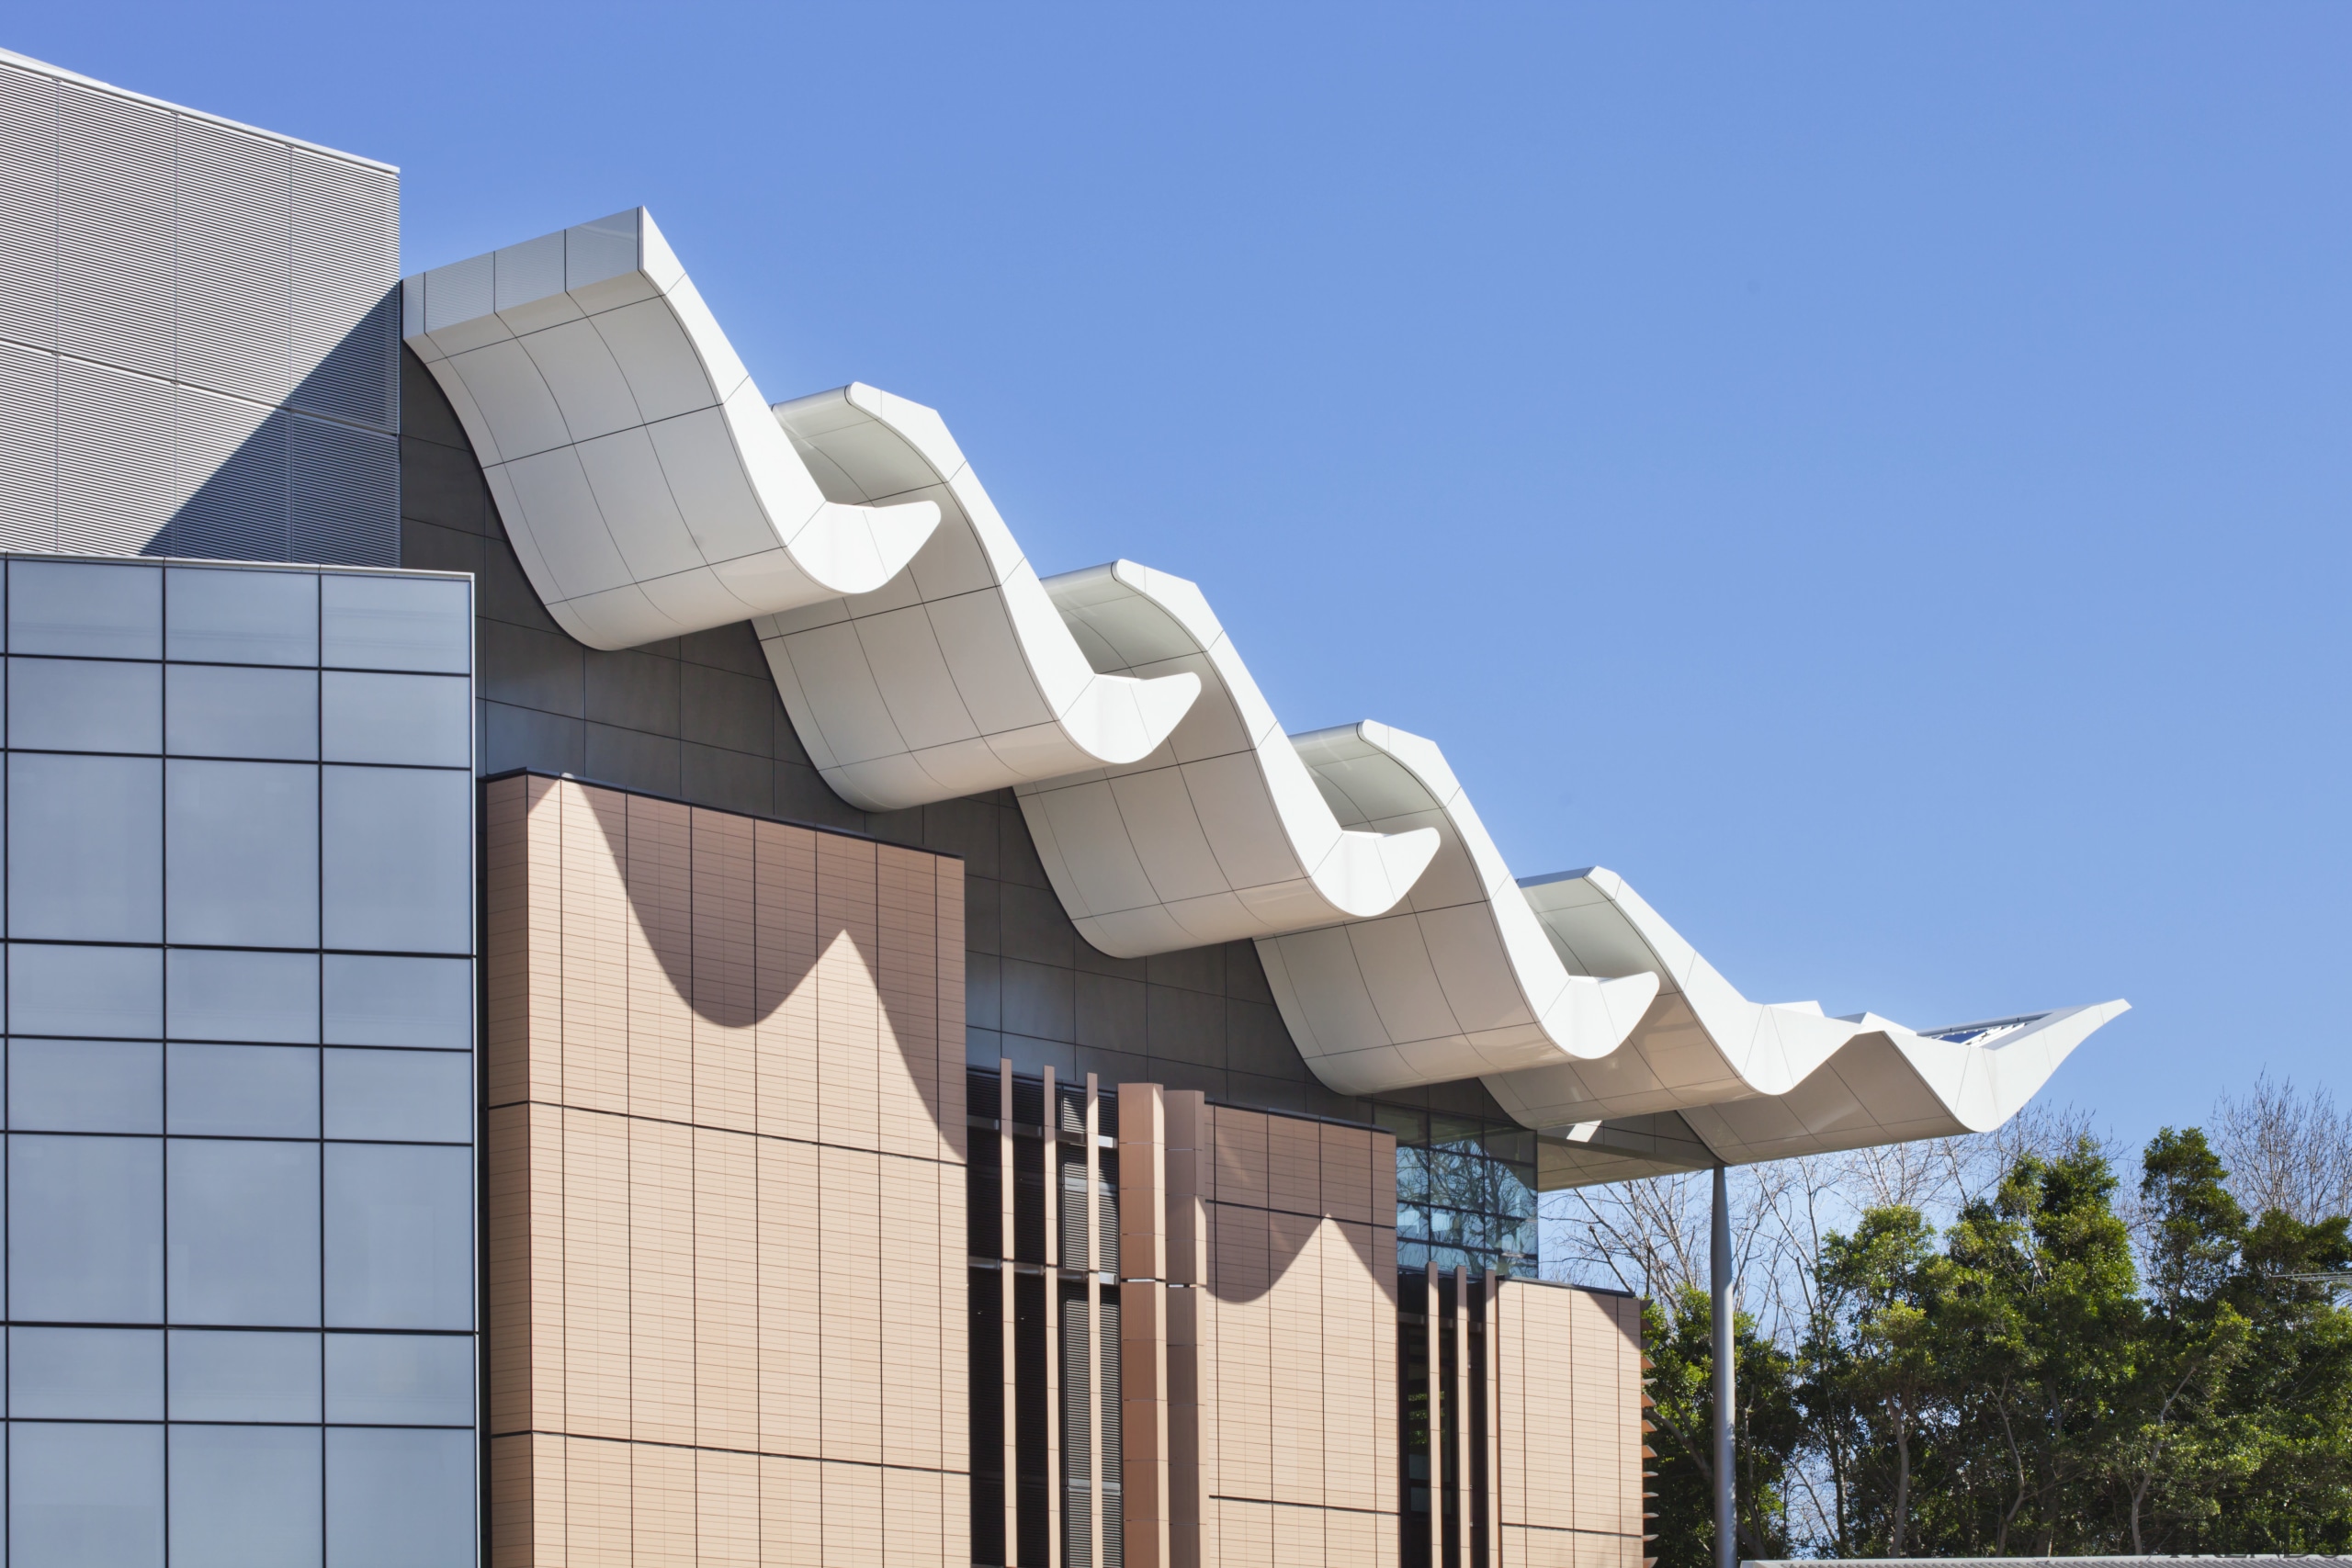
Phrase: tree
x=1678 y=1337
x=2177 y=1447
x=2287 y=1149
x=1874 y=1357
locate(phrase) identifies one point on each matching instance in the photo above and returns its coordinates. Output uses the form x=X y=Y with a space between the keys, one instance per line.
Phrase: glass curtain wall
x=238 y=1069
x=1466 y=1191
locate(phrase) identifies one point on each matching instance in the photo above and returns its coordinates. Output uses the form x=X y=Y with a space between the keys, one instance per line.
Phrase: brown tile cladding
x=1570 y=1386
x=725 y=1189
x=1297 y=1364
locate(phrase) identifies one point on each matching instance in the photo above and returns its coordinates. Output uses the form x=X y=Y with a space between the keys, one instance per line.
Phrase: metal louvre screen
x=116 y=488
x=236 y=284
x=1078 y=1436
x=986 y=1437
x=117 y=167
x=28 y=208
x=28 y=448
x=1113 y=1512
x=347 y=288
x=345 y=481
x=170 y=286
x=232 y=480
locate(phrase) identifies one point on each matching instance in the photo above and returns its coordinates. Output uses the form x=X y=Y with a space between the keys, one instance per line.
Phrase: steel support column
x=1721 y=1291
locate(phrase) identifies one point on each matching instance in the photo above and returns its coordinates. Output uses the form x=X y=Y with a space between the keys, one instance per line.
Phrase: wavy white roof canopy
x=650 y=493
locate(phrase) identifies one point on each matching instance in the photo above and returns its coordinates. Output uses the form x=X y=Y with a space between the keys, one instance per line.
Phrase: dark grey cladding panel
x=699 y=718
x=198 y=335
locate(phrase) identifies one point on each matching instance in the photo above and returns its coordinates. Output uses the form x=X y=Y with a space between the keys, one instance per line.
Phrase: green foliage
x=2017 y=1386
x=1677 y=1335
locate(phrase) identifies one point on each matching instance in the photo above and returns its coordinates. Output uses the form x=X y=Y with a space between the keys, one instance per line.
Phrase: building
x=599 y=972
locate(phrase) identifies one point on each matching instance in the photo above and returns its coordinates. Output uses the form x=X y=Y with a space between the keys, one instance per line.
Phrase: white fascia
x=1891 y=1085
x=958 y=676
x=1701 y=1040
x=646 y=489
x=1220 y=833
x=1460 y=980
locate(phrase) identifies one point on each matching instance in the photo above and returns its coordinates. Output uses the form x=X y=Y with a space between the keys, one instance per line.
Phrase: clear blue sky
x=1876 y=477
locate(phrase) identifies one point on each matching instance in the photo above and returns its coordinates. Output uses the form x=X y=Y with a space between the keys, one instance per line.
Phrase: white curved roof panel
x=650 y=492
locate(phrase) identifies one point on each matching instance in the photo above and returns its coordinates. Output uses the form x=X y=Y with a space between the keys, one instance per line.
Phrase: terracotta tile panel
x=515 y=1510
x=595 y=1333
x=598 y=1505
x=661 y=1503
x=849 y=1322
x=726 y=1290
x=912 y=1529
x=1239 y=1138
x=784 y=962
x=853 y=1514
x=724 y=993
x=1245 y=1534
x=595 y=945
x=659 y=872
x=1294 y=1166
x=1298 y=1536
x=791 y=1513
x=726 y=1510
x=791 y=1299
x=661 y=1283
x=1347 y=1174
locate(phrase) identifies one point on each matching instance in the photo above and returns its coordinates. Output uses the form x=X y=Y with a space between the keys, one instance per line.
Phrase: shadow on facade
x=752 y=923
x=316 y=480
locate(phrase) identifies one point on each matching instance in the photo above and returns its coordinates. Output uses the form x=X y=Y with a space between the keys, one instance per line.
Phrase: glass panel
x=398 y=1499
x=77 y=705
x=422 y=719
x=1409 y=1125
x=85 y=1496
x=266 y=1091
x=220 y=1375
x=257 y=996
x=399 y=1001
x=243 y=852
x=244 y=1228
x=85 y=848
x=401 y=1380
x=1510 y=1143
x=1455 y=1133
x=399 y=869
x=86 y=1374
x=115 y=992
x=397 y=623
x=85 y=1229
x=246 y=1497
x=86 y=1086
x=1412 y=1175
x=400 y=1236
x=243 y=617
x=220 y=711
x=425 y=1097
x=99 y=612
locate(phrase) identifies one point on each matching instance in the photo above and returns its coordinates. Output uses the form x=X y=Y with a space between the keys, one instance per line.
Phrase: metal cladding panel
x=28 y=448
x=233 y=463
x=115 y=487
x=345 y=481
x=235 y=274
x=346 y=277
x=117 y=165
x=178 y=285
x=28 y=208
